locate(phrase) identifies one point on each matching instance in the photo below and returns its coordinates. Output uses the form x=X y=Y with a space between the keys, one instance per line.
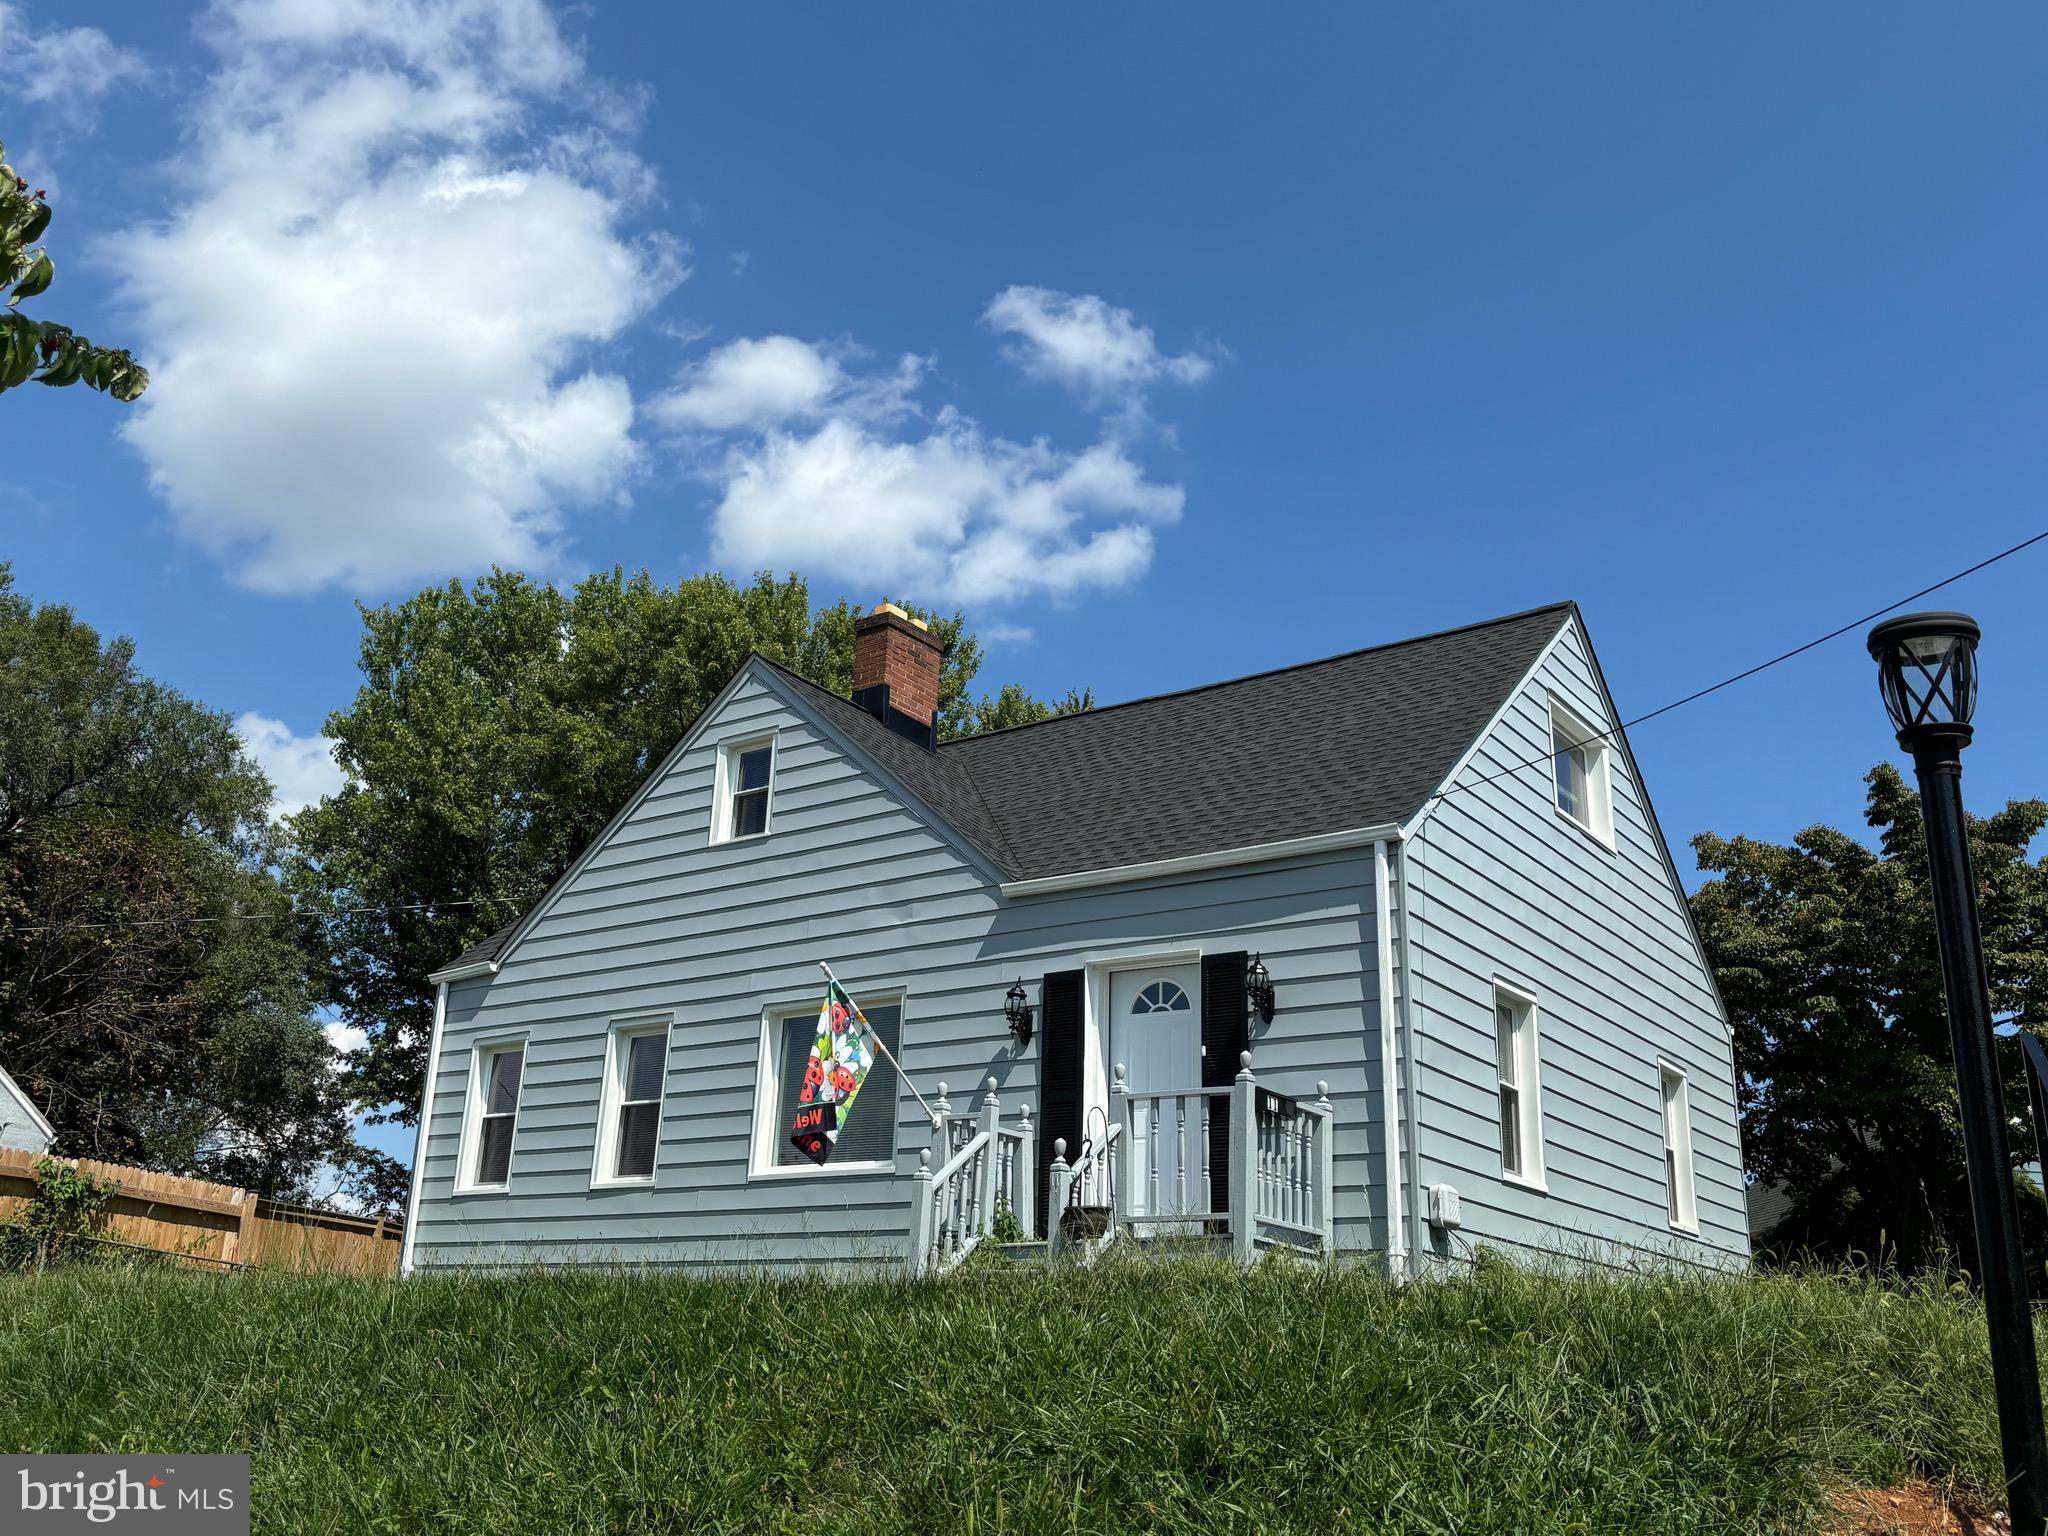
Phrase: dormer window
x=746 y=775
x=1581 y=774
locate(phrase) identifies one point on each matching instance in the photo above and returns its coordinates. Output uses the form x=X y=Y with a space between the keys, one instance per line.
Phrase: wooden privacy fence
x=217 y=1224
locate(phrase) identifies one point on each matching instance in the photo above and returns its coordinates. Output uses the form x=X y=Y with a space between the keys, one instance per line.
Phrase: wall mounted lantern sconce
x=1258 y=989
x=1017 y=1012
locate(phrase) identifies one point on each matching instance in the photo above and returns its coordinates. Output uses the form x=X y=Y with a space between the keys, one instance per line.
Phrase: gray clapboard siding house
x=1492 y=1022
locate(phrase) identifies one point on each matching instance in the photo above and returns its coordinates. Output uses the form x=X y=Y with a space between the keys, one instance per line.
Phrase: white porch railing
x=1280 y=1163
x=986 y=1165
x=1292 y=1172
x=1149 y=1172
x=1168 y=1169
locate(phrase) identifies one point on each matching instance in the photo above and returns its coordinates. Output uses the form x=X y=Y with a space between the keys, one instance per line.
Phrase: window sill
x=744 y=837
x=1523 y=1181
x=483 y=1189
x=1681 y=1227
x=637 y=1181
x=829 y=1171
x=1590 y=834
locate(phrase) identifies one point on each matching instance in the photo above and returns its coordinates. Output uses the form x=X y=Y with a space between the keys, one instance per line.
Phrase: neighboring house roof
x=1353 y=741
x=1769 y=1204
x=13 y=1090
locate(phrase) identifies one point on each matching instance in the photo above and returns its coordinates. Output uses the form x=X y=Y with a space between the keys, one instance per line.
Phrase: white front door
x=1156 y=1035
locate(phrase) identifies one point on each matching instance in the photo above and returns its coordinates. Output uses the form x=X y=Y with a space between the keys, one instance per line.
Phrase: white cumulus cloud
x=822 y=467
x=1095 y=348
x=301 y=769
x=63 y=65
x=375 y=320
x=344 y=1038
x=954 y=513
x=760 y=382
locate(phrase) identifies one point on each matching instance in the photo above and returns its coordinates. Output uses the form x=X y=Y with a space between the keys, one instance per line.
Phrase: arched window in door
x=1161 y=997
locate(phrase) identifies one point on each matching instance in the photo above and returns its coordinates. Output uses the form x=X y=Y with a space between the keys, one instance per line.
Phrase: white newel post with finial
x=1027 y=1173
x=1120 y=1114
x=922 y=1214
x=985 y=1167
x=1056 y=1198
x=1244 y=1153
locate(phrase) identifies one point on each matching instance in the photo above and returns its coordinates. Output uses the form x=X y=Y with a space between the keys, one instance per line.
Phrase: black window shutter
x=1062 y=1004
x=1226 y=1036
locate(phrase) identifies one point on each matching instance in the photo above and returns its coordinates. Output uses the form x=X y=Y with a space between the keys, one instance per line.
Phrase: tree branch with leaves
x=1826 y=955
x=42 y=350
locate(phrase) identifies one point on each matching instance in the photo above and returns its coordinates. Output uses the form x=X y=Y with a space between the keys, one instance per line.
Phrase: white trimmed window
x=868 y=1139
x=1581 y=773
x=494 y=1079
x=1680 y=1203
x=629 y=1121
x=745 y=780
x=1519 y=1101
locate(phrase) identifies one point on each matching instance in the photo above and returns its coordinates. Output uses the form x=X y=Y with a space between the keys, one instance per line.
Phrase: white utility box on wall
x=1443 y=1206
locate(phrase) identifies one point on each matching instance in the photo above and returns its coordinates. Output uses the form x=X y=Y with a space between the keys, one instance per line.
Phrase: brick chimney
x=896 y=672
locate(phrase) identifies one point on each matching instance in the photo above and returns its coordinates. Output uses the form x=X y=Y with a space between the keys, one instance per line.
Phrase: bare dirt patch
x=1913 y=1509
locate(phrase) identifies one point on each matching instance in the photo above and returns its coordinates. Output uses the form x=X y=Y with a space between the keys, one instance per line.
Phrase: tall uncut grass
x=1143 y=1396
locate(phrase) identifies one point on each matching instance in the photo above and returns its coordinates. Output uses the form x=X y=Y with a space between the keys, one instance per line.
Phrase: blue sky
x=1174 y=342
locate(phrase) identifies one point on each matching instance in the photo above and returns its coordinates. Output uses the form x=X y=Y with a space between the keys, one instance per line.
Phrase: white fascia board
x=1251 y=853
x=21 y=1096
x=465 y=972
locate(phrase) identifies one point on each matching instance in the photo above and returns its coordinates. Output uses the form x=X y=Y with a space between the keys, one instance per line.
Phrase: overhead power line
x=263 y=917
x=1763 y=666
x=1663 y=709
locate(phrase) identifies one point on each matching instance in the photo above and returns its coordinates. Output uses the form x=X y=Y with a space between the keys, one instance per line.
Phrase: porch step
x=1034 y=1252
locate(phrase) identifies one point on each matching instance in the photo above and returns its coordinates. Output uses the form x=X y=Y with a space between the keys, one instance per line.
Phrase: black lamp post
x=1927 y=667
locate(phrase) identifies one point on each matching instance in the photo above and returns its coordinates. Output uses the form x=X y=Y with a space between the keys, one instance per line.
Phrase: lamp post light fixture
x=1258 y=989
x=1017 y=1012
x=1927 y=671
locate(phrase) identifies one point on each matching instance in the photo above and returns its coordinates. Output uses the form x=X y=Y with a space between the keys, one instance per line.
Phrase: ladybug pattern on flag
x=839 y=1061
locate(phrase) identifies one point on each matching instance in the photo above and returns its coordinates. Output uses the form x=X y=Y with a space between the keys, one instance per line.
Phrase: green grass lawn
x=1134 y=1397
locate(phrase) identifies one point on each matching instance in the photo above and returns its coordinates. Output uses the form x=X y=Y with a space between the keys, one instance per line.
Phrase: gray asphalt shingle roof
x=1357 y=740
x=485 y=948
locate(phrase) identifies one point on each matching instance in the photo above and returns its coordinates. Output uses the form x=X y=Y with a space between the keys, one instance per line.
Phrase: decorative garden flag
x=838 y=1065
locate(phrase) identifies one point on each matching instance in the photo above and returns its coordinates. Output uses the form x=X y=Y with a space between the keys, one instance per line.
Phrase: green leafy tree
x=153 y=1000
x=1013 y=706
x=497 y=729
x=45 y=351
x=1825 y=953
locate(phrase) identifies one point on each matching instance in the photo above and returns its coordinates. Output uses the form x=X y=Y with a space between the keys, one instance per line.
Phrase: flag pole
x=880 y=1045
